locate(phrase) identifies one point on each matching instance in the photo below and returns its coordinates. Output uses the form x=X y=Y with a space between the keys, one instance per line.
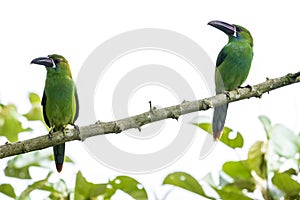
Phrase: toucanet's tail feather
x=59 y=156
x=219 y=118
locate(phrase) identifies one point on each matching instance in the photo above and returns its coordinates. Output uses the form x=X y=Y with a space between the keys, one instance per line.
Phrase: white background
x=30 y=29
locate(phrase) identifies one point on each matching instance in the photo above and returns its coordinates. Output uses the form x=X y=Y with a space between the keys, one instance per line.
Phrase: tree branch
x=174 y=112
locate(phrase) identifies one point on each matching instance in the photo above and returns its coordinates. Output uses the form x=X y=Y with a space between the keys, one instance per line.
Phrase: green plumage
x=232 y=67
x=60 y=101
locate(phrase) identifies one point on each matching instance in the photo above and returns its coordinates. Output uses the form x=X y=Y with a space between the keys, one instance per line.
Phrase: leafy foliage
x=19 y=166
x=45 y=185
x=287 y=184
x=129 y=186
x=35 y=113
x=87 y=190
x=59 y=190
x=10 y=124
x=271 y=168
x=185 y=181
x=8 y=190
x=236 y=142
x=264 y=169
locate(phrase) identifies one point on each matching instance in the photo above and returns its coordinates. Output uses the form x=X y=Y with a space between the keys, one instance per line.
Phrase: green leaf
x=10 y=126
x=34 y=98
x=291 y=171
x=35 y=113
x=18 y=167
x=58 y=191
x=284 y=142
x=8 y=190
x=185 y=181
x=86 y=190
x=41 y=184
x=232 y=193
x=256 y=159
x=266 y=123
x=237 y=169
x=243 y=184
x=236 y=142
x=129 y=186
x=285 y=183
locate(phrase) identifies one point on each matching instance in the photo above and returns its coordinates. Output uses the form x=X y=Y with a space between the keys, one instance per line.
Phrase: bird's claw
x=65 y=131
x=150 y=104
x=76 y=128
x=50 y=135
x=227 y=94
x=247 y=86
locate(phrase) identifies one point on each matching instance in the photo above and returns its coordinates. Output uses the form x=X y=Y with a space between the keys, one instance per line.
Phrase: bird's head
x=234 y=32
x=55 y=64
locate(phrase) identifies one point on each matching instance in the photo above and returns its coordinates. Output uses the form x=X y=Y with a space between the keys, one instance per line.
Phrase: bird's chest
x=59 y=105
x=236 y=66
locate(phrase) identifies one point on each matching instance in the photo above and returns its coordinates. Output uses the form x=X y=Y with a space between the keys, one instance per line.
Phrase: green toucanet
x=232 y=67
x=60 y=100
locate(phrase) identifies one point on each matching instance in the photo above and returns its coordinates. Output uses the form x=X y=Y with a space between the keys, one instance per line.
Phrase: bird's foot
x=151 y=113
x=247 y=86
x=150 y=104
x=76 y=128
x=227 y=94
x=50 y=135
x=65 y=131
x=184 y=101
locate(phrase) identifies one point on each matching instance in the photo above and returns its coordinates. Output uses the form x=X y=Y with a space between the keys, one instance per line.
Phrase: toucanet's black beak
x=229 y=29
x=46 y=61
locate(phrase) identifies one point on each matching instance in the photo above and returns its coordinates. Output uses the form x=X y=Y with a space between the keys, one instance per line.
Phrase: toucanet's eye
x=238 y=29
x=56 y=61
